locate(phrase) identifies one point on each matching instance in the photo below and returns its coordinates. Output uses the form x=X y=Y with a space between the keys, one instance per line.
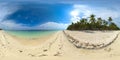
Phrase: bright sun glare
x=74 y=13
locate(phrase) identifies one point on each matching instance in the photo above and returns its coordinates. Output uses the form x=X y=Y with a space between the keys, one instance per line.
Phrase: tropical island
x=94 y=34
x=93 y=23
x=36 y=30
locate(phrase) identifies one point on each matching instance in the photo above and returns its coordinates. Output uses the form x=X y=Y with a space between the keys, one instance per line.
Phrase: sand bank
x=57 y=47
x=91 y=39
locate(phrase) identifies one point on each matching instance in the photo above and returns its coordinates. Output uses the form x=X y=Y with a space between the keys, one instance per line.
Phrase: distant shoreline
x=30 y=33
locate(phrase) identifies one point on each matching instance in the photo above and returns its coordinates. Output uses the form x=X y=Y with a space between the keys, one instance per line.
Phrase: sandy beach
x=59 y=46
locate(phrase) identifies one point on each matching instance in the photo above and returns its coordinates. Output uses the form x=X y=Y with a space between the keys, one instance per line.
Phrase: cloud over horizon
x=83 y=11
x=5 y=23
x=103 y=12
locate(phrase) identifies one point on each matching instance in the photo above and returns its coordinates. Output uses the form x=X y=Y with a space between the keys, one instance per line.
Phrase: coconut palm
x=99 y=23
x=93 y=24
x=105 y=23
x=109 y=19
x=92 y=19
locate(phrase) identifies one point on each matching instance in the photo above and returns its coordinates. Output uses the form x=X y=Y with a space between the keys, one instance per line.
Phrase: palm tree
x=113 y=26
x=92 y=18
x=83 y=23
x=105 y=23
x=99 y=23
x=93 y=24
x=110 y=20
x=92 y=21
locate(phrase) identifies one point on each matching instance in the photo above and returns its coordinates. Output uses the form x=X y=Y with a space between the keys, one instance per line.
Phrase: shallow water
x=31 y=33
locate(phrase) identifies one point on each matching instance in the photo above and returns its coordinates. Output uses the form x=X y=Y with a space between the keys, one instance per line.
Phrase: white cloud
x=52 y=25
x=5 y=10
x=98 y=11
x=9 y=24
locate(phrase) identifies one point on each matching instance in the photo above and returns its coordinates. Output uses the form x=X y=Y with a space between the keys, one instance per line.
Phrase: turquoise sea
x=31 y=33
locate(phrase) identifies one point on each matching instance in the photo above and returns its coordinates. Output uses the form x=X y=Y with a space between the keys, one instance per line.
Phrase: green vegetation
x=93 y=23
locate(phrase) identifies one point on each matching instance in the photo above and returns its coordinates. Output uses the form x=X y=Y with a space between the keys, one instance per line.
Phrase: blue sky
x=53 y=14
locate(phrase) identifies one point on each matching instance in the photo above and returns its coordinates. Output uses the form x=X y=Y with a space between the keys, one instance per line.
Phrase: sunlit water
x=31 y=33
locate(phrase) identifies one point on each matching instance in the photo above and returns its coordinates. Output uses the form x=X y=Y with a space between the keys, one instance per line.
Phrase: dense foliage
x=93 y=23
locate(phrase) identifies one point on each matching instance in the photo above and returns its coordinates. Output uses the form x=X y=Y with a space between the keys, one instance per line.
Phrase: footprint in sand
x=57 y=54
x=20 y=51
x=45 y=50
x=31 y=55
x=43 y=55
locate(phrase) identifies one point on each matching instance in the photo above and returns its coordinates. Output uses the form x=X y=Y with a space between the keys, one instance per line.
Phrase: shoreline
x=29 y=41
x=58 y=47
x=30 y=34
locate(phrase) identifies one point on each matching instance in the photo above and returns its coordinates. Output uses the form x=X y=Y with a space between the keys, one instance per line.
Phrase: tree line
x=93 y=23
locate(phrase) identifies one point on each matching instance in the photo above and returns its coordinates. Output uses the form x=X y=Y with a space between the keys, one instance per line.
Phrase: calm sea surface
x=31 y=33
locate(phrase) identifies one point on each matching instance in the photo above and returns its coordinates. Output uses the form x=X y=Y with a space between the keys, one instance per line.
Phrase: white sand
x=57 y=47
x=92 y=39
